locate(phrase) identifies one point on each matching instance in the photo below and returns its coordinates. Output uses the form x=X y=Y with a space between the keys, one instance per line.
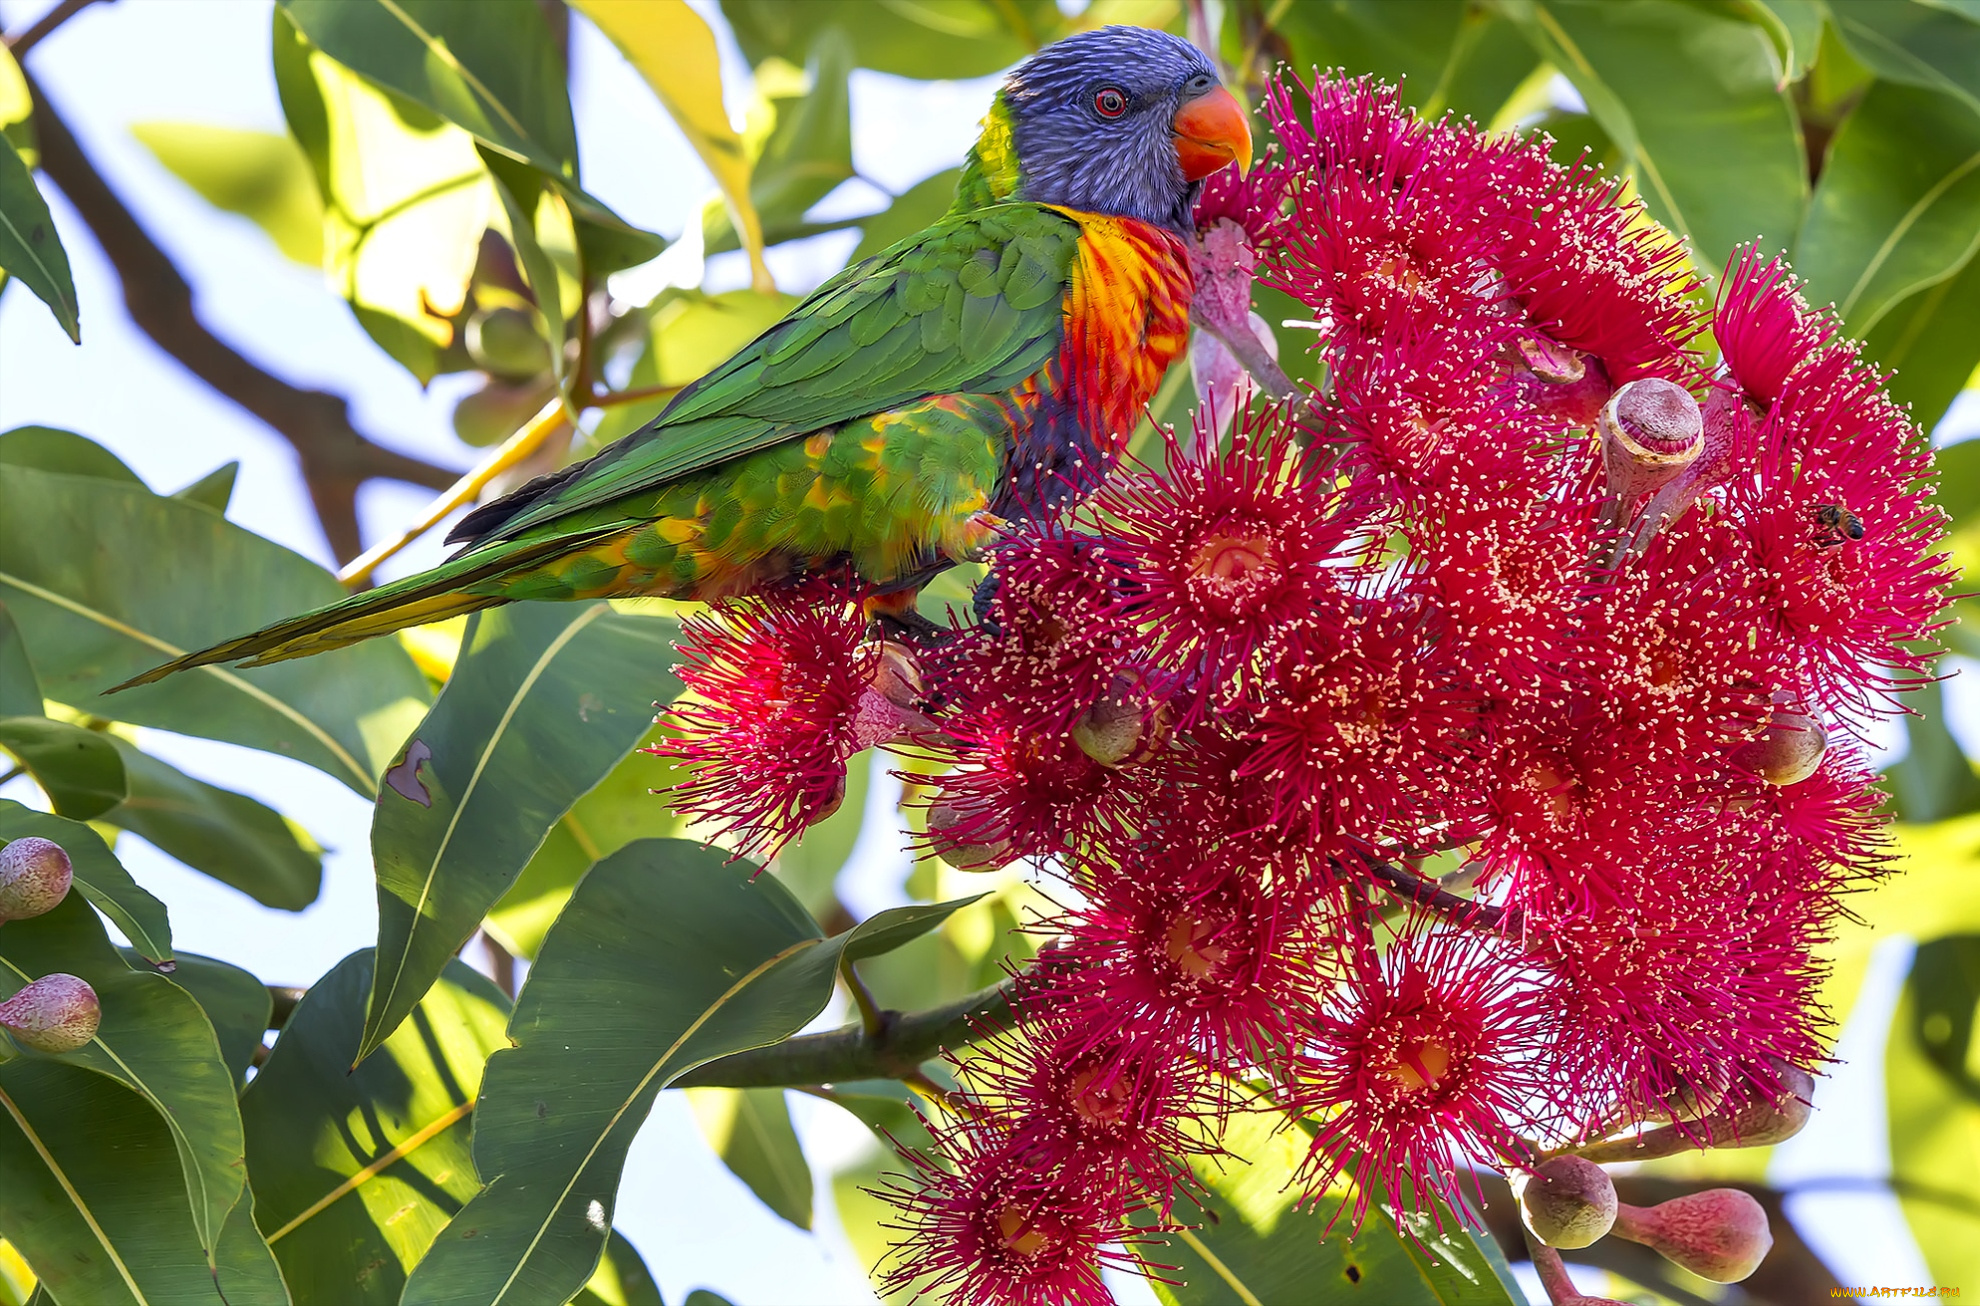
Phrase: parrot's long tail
x=432 y=595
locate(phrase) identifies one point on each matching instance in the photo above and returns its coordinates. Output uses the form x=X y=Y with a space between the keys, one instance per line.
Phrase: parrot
x=893 y=421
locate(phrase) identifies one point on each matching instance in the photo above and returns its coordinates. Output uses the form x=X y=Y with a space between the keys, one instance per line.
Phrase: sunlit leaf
x=673 y=49
x=750 y=1129
x=357 y=1170
x=1933 y=1092
x=917 y=38
x=263 y=177
x=545 y=699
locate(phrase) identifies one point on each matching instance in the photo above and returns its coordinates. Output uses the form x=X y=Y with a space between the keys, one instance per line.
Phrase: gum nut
x=1566 y=1202
x=897 y=677
x=1787 y=752
x=1720 y=1234
x=34 y=876
x=958 y=833
x=1772 y=1116
x=56 y=1013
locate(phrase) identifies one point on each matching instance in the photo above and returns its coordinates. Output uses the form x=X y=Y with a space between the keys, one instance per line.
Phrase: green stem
x=905 y=1039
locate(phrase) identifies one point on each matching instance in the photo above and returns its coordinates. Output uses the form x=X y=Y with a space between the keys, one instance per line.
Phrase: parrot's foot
x=894 y=617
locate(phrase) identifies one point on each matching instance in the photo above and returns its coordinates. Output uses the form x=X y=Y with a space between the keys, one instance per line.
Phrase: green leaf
x=810 y=867
x=1933 y=780
x=544 y=701
x=215 y=489
x=491 y=70
x=55 y=450
x=99 y=877
x=1898 y=207
x=667 y=956
x=1934 y=1104
x=93 y=1199
x=750 y=1129
x=537 y=222
x=703 y=1297
x=914 y=208
x=30 y=249
x=259 y=175
x=922 y=38
x=154 y=1039
x=1695 y=103
x=1926 y=45
x=218 y=832
x=405 y=201
x=235 y=1001
x=673 y=48
x=1445 y=54
x=357 y=1170
x=20 y=691
x=619 y=809
x=107 y=580
x=1254 y=1245
x=809 y=151
x=1794 y=26
x=1931 y=341
x=621 y=1279
x=78 y=769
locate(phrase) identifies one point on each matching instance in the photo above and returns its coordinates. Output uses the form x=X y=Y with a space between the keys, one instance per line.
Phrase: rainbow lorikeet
x=995 y=360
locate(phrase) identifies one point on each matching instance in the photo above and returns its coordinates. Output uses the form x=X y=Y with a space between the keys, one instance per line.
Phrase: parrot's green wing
x=972 y=304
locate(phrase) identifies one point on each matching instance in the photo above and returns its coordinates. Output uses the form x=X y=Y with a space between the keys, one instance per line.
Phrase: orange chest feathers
x=1127 y=319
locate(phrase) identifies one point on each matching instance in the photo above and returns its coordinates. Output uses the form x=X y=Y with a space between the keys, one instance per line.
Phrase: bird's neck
x=990 y=174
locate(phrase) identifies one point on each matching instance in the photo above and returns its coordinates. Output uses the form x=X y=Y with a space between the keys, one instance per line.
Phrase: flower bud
x=1126 y=726
x=1566 y=1202
x=1691 y=1096
x=1558 y=380
x=34 y=876
x=1651 y=430
x=56 y=1013
x=1720 y=1234
x=1788 y=751
x=897 y=676
x=965 y=836
x=1773 y=1116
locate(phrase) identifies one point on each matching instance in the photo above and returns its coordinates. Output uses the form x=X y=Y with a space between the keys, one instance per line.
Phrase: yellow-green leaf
x=259 y=175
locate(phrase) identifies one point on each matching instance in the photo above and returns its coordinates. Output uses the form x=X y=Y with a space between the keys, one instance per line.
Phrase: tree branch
x=54 y=18
x=905 y=1040
x=1427 y=893
x=335 y=458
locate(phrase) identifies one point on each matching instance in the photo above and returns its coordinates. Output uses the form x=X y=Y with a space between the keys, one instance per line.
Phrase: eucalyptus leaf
x=78 y=769
x=750 y=1129
x=1930 y=341
x=263 y=176
x=544 y=700
x=155 y=1039
x=106 y=580
x=1898 y=207
x=55 y=450
x=920 y=205
x=960 y=38
x=1920 y=44
x=1693 y=98
x=667 y=956
x=99 y=877
x=94 y=1200
x=30 y=248
x=1934 y=1098
x=235 y=1001
x=229 y=836
x=1443 y=54
x=357 y=1170
x=20 y=690
x=215 y=489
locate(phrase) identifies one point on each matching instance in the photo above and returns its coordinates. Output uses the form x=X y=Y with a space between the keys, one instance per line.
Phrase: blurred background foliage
x=431 y=171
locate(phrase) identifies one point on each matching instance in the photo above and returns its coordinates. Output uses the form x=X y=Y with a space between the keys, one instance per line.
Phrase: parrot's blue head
x=1123 y=120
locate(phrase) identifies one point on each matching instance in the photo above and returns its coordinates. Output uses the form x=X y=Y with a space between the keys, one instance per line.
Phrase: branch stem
x=1427 y=893
x=905 y=1040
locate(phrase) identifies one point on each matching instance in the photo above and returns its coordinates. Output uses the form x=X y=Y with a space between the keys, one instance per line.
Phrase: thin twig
x=613 y=398
x=47 y=23
x=1427 y=893
x=511 y=451
x=871 y=1018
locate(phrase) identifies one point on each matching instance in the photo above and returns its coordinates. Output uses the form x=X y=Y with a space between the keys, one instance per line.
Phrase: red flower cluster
x=1530 y=590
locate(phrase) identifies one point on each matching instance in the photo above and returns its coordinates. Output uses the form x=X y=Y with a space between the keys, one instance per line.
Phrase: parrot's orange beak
x=1211 y=134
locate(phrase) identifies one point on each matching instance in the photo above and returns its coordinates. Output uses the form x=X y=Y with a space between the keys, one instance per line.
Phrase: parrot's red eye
x=1109 y=103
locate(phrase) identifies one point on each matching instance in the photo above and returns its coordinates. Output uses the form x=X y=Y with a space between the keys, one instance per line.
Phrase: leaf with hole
x=106 y=580
x=544 y=700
